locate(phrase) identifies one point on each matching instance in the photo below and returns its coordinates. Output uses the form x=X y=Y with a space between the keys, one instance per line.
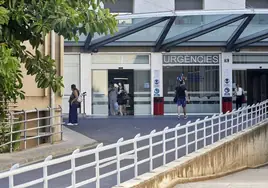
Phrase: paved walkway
x=108 y=130
x=252 y=178
x=71 y=141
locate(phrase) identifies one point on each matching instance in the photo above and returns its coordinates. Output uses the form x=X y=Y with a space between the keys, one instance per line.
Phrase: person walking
x=112 y=94
x=181 y=98
x=122 y=99
x=239 y=96
x=73 y=106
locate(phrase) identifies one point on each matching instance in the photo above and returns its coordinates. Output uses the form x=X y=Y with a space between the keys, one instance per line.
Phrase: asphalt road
x=109 y=130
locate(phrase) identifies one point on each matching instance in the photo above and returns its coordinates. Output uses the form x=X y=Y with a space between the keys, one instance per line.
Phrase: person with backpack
x=74 y=104
x=181 y=98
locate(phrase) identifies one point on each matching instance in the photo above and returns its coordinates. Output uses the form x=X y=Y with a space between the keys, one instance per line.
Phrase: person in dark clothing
x=239 y=96
x=122 y=99
x=73 y=106
x=181 y=98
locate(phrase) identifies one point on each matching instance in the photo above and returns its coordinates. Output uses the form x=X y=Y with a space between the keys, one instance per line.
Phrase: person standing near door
x=112 y=95
x=122 y=99
x=181 y=98
x=239 y=96
x=73 y=106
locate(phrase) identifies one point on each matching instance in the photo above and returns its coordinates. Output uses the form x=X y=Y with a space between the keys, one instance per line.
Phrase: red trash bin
x=227 y=104
x=158 y=106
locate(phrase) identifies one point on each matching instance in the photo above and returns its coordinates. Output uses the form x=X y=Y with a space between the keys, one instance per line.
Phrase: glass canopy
x=230 y=31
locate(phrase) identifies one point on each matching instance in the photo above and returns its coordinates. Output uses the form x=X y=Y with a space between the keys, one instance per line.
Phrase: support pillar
x=227 y=81
x=85 y=80
x=157 y=84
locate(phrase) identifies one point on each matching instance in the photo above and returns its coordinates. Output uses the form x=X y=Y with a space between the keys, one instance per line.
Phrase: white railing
x=31 y=125
x=126 y=155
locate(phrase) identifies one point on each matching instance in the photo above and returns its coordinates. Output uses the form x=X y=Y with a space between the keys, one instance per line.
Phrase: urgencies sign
x=191 y=59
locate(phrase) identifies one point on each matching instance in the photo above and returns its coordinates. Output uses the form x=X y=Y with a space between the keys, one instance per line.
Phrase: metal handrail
x=14 y=120
x=232 y=123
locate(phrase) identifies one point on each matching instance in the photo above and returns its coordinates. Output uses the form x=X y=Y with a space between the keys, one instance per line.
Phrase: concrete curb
x=57 y=154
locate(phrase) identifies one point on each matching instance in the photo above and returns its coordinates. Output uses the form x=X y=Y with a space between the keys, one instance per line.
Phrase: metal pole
x=176 y=141
x=118 y=161
x=186 y=138
x=11 y=131
x=97 y=171
x=164 y=145
x=45 y=185
x=73 y=168
x=151 y=149
x=205 y=132
x=11 y=177
x=25 y=129
x=61 y=123
x=135 y=146
x=38 y=126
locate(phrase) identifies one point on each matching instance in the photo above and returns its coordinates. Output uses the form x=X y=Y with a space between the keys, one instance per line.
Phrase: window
x=256 y=3
x=120 y=6
x=120 y=59
x=188 y=4
x=202 y=84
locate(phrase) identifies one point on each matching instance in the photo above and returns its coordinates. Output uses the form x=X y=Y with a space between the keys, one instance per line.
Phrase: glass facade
x=142 y=92
x=202 y=85
x=239 y=77
x=120 y=59
x=100 y=92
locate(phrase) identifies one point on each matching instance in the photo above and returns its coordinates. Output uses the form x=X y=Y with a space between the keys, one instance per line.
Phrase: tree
x=32 y=20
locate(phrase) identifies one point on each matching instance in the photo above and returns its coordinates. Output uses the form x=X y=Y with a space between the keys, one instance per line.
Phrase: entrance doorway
x=257 y=84
x=125 y=77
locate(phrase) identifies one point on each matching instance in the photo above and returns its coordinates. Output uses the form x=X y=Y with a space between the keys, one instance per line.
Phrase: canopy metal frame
x=163 y=44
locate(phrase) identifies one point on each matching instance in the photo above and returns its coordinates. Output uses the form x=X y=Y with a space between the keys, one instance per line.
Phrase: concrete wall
x=223 y=5
x=142 y=6
x=248 y=149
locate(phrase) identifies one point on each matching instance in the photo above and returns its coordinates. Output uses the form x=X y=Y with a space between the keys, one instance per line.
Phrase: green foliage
x=5 y=137
x=32 y=20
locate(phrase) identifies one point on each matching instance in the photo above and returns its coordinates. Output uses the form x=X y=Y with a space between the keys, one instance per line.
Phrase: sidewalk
x=71 y=141
x=251 y=178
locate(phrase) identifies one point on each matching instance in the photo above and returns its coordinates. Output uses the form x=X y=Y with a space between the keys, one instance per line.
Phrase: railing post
x=61 y=123
x=11 y=131
x=135 y=146
x=118 y=160
x=252 y=113
x=73 y=167
x=151 y=149
x=186 y=137
x=265 y=109
x=164 y=145
x=45 y=171
x=219 y=121
x=25 y=129
x=226 y=123
x=212 y=128
x=195 y=134
x=38 y=126
x=232 y=122
x=50 y=123
x=237 y=119
x=205 y=132
x=242 y=123
x=97 y=170
x=176 y=141
x=11 y=177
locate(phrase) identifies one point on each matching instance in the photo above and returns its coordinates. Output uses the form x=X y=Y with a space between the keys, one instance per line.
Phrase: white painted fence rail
x=183 y=138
